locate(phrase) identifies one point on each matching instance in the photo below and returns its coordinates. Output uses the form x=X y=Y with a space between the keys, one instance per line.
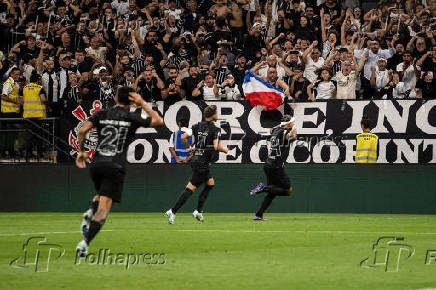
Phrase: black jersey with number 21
x=116 y=128
x=204 y=133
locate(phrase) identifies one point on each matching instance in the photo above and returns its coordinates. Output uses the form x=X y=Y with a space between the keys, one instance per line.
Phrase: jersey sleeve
x=216 y=133
x=139 y=120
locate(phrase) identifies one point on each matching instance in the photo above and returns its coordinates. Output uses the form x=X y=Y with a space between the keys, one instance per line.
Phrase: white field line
x=46 y=233
x=292 y=217
x=228 y=231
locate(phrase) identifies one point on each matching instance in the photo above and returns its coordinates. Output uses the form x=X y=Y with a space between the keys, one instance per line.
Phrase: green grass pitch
x=227 y=251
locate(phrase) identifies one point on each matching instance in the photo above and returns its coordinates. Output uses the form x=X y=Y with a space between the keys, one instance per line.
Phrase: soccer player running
x=278 y=183
x=206 y=136
x=116 y=128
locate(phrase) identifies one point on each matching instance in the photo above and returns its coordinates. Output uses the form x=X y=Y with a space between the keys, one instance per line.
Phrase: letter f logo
x=387 y=252
x=37 y=253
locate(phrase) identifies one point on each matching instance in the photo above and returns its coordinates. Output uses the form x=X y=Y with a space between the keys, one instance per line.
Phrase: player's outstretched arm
x=218 y=147
x=292 y=135
x=82 y=156
x=156 y=120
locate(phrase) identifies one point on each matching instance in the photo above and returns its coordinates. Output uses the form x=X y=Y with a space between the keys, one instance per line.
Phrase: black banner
x=326 y=130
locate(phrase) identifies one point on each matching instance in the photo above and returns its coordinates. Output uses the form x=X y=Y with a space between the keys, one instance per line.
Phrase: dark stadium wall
x=327 y=188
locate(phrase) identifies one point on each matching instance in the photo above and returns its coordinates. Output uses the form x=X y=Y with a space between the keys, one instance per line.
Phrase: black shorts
x=108 y=181
x=199 y=175
x=277 y=176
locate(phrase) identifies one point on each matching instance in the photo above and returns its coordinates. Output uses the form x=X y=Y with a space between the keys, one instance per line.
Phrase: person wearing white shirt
x=313 y=61
x=122 y=7
x=229 y=90
x=346 y=79
x=262 y=67
x=172 y=10
x=379 y=77
x=325 y=88
x=374 y=53
x=408 y=71
x=208 y=89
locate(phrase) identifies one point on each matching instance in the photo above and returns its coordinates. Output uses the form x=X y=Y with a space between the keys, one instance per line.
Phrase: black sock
x=203 y=196
x=94 y=206
x=276 y=190
x=94 y=228
x=265 y=204
x=182 y=199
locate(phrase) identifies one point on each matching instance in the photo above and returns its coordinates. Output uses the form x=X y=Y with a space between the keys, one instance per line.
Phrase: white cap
x=99 y=69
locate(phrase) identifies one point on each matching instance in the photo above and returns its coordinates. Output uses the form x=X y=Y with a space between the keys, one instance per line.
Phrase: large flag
x=261 y=93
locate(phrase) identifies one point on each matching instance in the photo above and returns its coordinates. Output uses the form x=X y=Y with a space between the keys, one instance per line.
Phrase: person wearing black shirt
x=115 y=128
x=426 y=87
x=25 y=47
x=101 y=88
x=150 y=86
x=206 y=136
x=190 y=83
x=173 y=89
x=278 y=183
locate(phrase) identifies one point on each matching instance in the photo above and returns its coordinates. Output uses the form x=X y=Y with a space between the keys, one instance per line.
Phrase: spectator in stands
x=408 y=72
x=425 y=87
x=207 y=89
x=380 y=77
x=372 y=54
x=313 y=61
x=181 y=41
x=50 y=83
x=229 y=90
x=262 y=67
x=72 y=93
x=299 y=84
x=150 y=86
x=325 y=88
x=428 y=61
x=190 y=83
x=346 y=79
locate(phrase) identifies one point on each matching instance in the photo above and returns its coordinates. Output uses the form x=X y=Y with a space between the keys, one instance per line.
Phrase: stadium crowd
x=171 y=50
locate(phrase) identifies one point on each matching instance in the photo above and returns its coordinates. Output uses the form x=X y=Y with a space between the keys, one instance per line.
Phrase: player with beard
x=206 y=136
x=116 y=128
x=278 y=183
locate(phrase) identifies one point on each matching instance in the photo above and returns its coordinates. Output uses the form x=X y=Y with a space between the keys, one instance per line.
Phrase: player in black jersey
x=116 y=128
x=278 y=183
x=206 y=143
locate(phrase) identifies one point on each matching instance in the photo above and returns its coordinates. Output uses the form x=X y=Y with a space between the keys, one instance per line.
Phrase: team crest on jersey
x=92 y=137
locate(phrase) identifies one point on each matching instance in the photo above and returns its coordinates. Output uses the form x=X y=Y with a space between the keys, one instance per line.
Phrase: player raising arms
x=206 y=136
x=278 y=183
x=115 y=127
